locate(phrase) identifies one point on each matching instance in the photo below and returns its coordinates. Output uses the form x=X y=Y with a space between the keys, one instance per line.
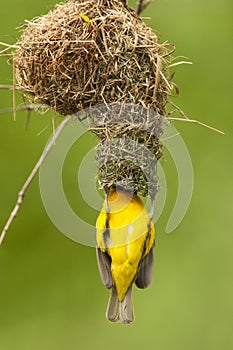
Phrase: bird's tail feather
x=120 y=310
x=112 y=313
x=126 y=313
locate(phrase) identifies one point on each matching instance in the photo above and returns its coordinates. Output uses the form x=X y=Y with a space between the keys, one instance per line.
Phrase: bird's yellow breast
x=126 y=234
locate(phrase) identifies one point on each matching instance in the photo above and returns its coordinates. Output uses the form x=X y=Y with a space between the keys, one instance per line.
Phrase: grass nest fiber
x=99 y=52
x=129 y=146
x=84 y=53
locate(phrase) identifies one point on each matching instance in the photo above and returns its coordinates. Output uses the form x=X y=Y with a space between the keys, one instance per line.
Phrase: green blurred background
x=51 y=296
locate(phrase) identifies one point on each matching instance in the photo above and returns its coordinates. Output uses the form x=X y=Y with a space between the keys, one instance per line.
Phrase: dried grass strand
x=196 y=122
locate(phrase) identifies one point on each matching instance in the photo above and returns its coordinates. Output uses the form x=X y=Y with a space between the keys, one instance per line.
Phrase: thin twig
x=28 y=119
x=10 y=87
x=32 y=175
x=178 y=109
x=196 y=122
x=178 y=64
x=29 y=107
x=9 y=45
x=14 y=92
x=144 y=5
x=141 y=6
x=157 y=76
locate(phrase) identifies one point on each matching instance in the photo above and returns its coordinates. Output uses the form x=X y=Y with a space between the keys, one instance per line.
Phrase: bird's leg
x=106 y=192
x=152 y=198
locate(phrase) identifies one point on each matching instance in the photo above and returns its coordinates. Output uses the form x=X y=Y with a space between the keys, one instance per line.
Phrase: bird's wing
x=104 y=265
x=145 y=270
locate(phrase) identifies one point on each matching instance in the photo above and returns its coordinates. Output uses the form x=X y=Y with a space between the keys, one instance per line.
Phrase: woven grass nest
x=84 y=53
x=129 y=146
x=99 y=52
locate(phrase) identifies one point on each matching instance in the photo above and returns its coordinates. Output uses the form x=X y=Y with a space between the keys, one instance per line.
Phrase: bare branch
x=141 y=6
x=196 y=122
x=144 y=5
x=32 y=175
x=29 y=107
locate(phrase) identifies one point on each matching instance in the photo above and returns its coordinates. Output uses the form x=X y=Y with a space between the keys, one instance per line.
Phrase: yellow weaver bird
x=125 y=242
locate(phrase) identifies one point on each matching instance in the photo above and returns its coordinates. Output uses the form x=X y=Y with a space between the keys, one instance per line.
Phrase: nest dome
x=90 y=52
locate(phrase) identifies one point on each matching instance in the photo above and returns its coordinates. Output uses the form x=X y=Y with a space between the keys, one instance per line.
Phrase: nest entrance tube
x=129 y=146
